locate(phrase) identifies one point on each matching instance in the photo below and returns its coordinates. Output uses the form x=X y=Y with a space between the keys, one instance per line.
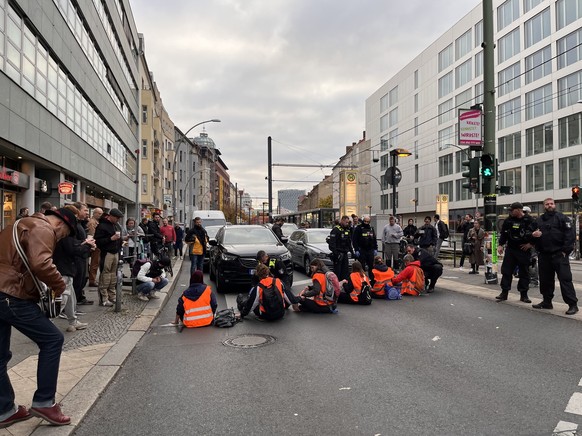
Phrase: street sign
x=469 y=127
x=397 y=176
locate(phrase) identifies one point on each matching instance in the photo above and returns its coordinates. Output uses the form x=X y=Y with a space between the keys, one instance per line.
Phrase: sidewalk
x=90 y=358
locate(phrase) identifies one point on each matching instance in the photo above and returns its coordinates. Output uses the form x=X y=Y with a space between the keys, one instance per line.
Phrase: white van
x=210 y=218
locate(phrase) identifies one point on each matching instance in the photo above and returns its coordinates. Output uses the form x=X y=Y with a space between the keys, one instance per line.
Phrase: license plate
x=252 y=272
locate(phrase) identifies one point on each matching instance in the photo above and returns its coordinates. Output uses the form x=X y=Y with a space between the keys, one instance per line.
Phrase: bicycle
x=163 y=251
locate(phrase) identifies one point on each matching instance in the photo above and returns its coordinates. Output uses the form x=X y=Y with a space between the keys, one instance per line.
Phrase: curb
x=80 y=399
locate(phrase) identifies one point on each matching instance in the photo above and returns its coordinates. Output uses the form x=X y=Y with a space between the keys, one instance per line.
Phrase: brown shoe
x=21 y=414
x=53 y=414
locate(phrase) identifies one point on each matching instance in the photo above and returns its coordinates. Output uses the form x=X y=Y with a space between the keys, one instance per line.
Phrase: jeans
x=147 y=287
x=26 y=317
x=196 y=262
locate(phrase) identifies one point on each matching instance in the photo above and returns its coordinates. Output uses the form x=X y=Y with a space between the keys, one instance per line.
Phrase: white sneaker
x=461 y=268
x=142 y=297
x=77 y=325
x=107 y=303
x=153 y=295
x=62 y=315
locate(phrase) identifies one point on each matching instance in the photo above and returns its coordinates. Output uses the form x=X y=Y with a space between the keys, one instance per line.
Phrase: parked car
x=288 y=228
x=211 y=231
x=233 y=255
x=308 y=244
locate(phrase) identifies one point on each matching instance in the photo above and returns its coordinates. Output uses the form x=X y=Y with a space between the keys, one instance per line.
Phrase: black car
x=211 y=231
x=234 y=251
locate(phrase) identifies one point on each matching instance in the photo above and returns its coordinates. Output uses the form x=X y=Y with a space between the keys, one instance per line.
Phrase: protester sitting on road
x=432 y=268
x=276 y=269
x=311 y=298
x=151 y=278
x=267 y=300
x=197 y=305
x=411 y=277
x=352 y=287
x=382 y=277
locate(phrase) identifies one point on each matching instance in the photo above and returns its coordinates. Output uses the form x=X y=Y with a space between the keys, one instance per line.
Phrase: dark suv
x=233 y=255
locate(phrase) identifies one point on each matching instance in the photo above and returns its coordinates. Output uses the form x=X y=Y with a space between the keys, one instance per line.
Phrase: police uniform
x=514 y=233
x=365 y=242
x=340 y=244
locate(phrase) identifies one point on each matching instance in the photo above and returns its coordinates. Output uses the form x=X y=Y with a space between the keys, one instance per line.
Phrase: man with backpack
x=321 y=296
x=150 y=276
x=267 y=300
x=442 y=233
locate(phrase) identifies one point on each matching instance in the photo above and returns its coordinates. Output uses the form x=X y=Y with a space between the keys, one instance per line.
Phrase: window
x=539 y=139
x=508 y=46
x=384 y=123
x=446 y=57
x=416 y=126
x=510 y=147
x=569 y=89
x=384 y=202
x=570 y=171
x=538 y=102
x=479 y=92
x=415 y=79
x=569 y=49
x=509 y=79
x=446 y=112
x=384 y=143
x=463 y=73
x=446 y=84
x=446 y=188
x=507 y=13
x=478 y=64
x=384 y=162
x=538 y=65
x=415 y=102
x=384 y=103
x=416 y=173
x=446 y=165
x=460 y=156
x=567 y=12
x=393 y=96
x=509 y=113
x=463 y=100
x=569 y=129
x=512 y=178
x=539 y=176
x=478 y=33
x=445 y=137
x=393 y=117
x=393 y=138
x=463 y=45
x=144 y=148
x=537 y=28
x=144 y=114
x=144 y=183
x=528 y=5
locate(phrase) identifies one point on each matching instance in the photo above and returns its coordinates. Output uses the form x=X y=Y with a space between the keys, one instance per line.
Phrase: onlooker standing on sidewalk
x=391 y=236
x=365 y=244
x=81 y=263
x=179 y=244
x=555 y=237
x=476 y=236
x=516 y=232
x=169 y=235
x=410 y=231
x=427 y=236
x=38 y=235
x=464 y=228
x=135 y=235
x=22 y=213
x=155 y=236
x=197 y=238
x=340 y=244
x=95 y=254
x=108 y=239
x=442 y=233
x=47 y=205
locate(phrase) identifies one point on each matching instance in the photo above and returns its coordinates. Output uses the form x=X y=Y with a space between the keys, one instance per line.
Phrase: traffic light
x=575 y=193
x=472 y=174
x=487 y=166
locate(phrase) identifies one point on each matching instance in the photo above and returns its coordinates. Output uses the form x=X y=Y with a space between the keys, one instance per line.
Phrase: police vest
x=381 y=279
x=198 y=313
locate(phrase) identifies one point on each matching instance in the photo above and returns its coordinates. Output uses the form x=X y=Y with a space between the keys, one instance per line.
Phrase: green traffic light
x=487 y=172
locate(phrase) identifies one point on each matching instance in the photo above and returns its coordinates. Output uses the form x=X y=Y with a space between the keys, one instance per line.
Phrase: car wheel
x=306 y=263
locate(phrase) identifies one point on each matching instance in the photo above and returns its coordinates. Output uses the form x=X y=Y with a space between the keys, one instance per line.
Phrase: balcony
x=156 y=174
x=157 y=148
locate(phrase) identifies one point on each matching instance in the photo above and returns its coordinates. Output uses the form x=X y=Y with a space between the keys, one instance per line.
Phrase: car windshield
x=317 y=237
x=212 y=231
x=288 y=228
x=249 y=235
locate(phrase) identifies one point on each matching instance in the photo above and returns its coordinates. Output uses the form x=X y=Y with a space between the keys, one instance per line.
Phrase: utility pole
x=269 y=178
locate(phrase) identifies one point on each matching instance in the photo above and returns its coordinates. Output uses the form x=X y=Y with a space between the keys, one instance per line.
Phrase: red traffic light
x=575 y=192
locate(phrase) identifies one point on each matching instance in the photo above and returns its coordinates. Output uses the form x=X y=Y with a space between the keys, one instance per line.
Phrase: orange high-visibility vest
x=319 y=299
x=416 y=282
x=358 y=282
x=266 y=282
x=198 y=313
x=382 y=278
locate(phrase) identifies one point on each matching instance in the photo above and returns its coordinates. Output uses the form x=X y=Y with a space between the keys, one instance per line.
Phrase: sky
x=299 y=71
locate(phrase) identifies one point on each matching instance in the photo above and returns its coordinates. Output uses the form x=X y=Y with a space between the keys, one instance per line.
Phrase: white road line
x=575 y=404
x=302 y=282
x=565 y=428
x=580 y=382
x=231 y=301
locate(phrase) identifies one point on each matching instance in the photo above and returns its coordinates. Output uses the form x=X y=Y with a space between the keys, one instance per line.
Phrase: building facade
x=538 y=78
x=288 y=199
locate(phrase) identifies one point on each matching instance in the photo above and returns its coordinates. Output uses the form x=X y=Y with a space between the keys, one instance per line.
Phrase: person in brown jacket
x=38 y=235
x=95 y=254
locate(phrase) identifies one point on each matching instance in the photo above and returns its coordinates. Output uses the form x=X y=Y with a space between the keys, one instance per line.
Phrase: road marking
x=580 y=382
x=565 y=428
x=302 y=282
x=231 y=301
x=575 y=404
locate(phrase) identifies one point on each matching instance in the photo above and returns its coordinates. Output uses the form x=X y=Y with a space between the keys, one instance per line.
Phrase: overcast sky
x=299 y=71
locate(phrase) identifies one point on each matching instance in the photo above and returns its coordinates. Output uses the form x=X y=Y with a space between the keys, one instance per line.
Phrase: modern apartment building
x=69 y=104
x=288 y=199
x=538 y=79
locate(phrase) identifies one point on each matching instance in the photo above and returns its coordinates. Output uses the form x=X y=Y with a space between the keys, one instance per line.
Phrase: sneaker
x=106 y=303
x=62 y=315
x=142 y=297
x=77 y=325
x=461 y=268
x=85 y=302
x=153 y=295
x=79 y=313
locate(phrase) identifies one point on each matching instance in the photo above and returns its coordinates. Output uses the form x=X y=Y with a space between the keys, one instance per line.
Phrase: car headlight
x=286 y=256
x=228 y=257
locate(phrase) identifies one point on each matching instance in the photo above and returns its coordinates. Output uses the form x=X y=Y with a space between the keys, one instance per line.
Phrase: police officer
x=340 y=244
x=365 y=244
x=555 y=237
x=517 y=238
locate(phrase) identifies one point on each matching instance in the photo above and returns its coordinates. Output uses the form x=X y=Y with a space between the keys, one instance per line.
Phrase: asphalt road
x=442 y=364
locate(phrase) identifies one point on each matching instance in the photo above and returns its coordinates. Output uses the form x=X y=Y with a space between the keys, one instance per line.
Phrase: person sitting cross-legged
x=197 y=305
x=151 y=278
x=382 y=278
x=352 y=287
x=411 y=277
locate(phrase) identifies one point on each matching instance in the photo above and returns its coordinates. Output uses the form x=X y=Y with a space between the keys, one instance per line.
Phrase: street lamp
x=214 y=120
x=381 y=190
x=186 y=195
x=395 y=154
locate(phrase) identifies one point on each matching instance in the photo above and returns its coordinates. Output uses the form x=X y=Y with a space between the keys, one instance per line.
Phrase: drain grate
x=249 y=341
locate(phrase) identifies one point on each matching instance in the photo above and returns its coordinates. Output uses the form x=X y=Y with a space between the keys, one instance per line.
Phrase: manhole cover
x=249 y=341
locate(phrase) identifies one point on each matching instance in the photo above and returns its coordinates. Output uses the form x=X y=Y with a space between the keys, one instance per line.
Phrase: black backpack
x=444 y=231
x=225 y=318
x=137 y=266
x=272 y=301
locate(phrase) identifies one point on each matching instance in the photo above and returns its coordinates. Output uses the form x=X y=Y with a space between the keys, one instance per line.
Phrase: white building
x=538 y=78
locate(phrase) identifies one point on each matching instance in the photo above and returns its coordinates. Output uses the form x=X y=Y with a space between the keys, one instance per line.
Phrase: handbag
x=46 y=302
x=468 y=248
x=365 y=296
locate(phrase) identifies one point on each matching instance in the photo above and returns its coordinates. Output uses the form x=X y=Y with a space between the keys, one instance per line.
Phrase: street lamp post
x=397 y=152
x=214 y=120
x=381 y=190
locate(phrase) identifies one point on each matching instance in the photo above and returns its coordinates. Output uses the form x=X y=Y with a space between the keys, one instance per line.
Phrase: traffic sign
x=388 y=176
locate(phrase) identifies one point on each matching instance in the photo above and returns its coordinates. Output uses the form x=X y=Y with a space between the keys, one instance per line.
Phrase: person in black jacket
x=155 y=235
x=431 y=267
x=340 y=244
x=427 y=236
x=81 y=262
x=278 y=231
x=410 y=231
x=464 y=228
x=365 y=244
x=554 y=238
x=108 y=239
x=196 y=238
x=516 y=235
